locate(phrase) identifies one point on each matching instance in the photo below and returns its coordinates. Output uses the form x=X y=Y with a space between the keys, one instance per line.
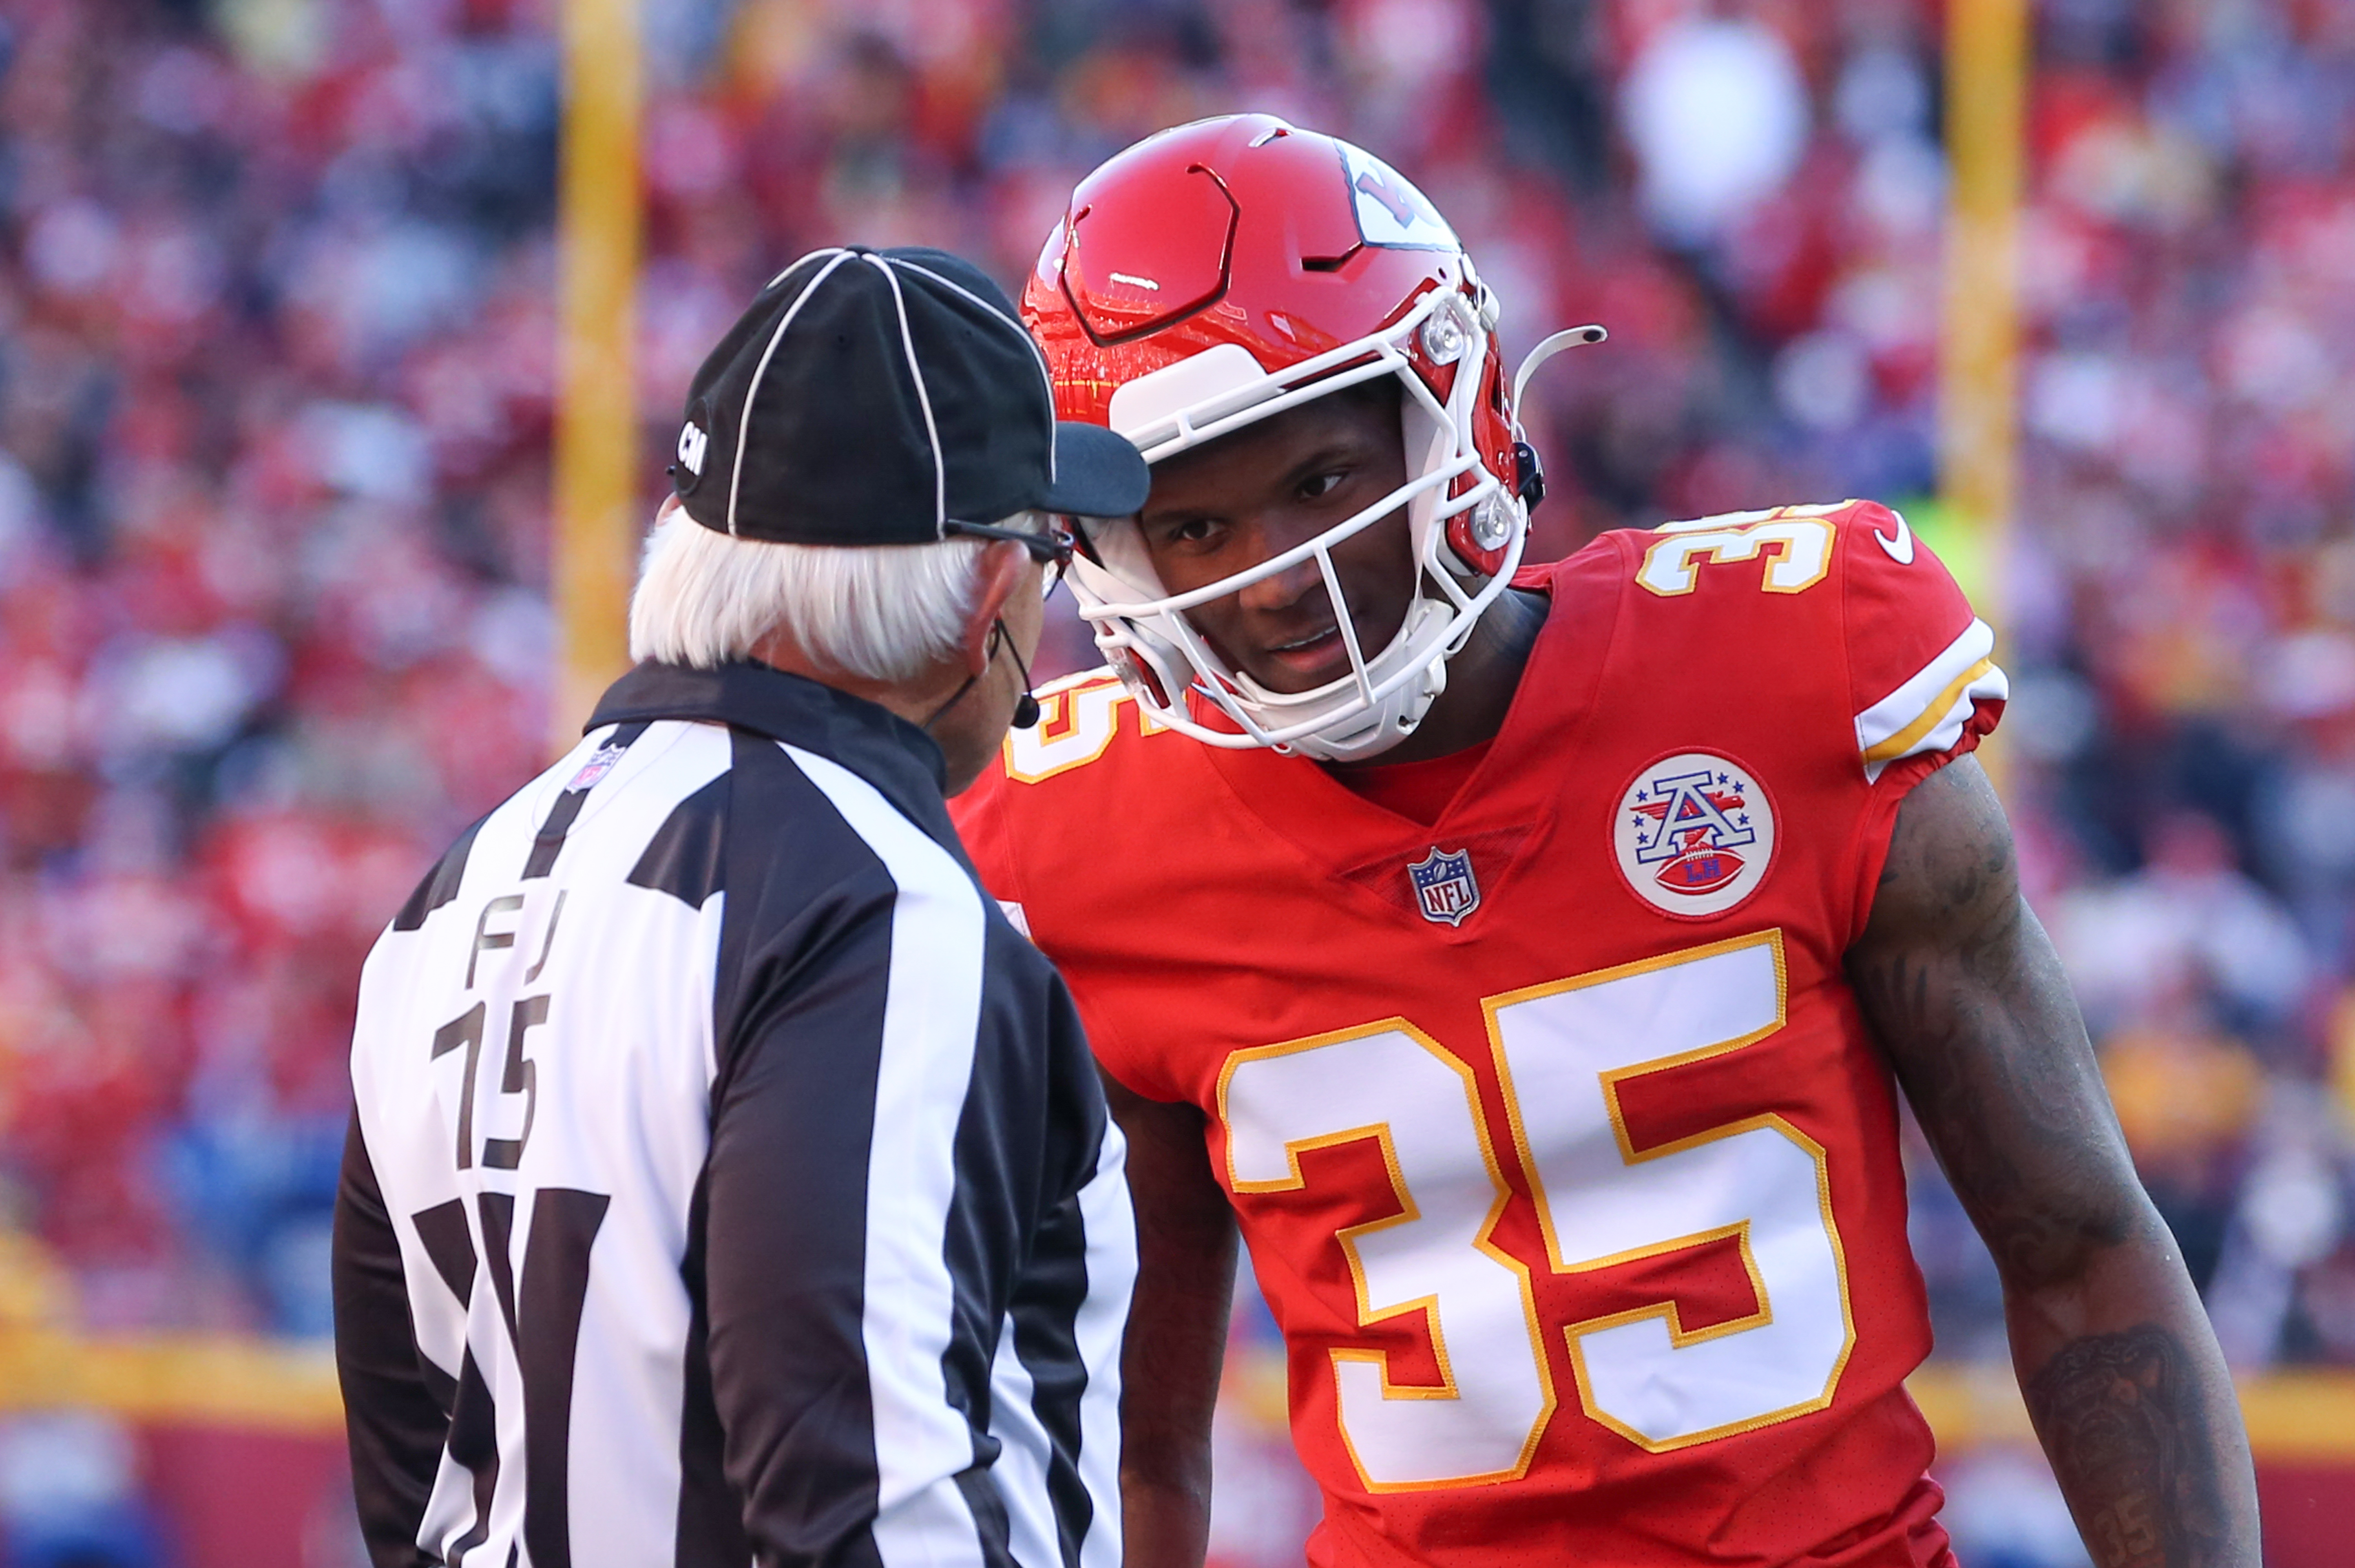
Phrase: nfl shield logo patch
x=600 y=763
x=1445 y=887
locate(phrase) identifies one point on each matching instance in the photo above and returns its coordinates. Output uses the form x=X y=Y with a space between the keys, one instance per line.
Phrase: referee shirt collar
x=895 y=756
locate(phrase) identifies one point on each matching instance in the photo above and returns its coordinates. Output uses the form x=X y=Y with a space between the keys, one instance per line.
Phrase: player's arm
x=2121 y=1374
x=1176 y=1331
x=397 y=1428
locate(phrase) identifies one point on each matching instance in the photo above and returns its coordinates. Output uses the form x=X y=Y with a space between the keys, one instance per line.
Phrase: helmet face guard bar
x=1318 y=547
x=1383 y=354
x=1145 y=628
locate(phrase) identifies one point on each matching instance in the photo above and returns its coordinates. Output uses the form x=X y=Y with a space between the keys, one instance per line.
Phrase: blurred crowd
x=274 y=369
x=276 y=355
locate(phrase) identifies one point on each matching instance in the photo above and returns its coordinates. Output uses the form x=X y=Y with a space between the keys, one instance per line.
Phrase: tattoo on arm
x=1963 y=989
x=2128 y=1389
x=2122 y=1421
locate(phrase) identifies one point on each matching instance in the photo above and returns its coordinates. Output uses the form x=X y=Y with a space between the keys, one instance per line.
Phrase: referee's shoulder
x=808 y=825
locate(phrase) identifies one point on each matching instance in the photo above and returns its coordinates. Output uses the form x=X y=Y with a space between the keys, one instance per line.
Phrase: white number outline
x=1426 y=1305
x=1671 y=565
x=1572 y=1333
x=1078 y=715
x=1678 y=1336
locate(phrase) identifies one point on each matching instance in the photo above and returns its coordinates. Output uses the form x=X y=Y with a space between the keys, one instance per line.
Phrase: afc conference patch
x=1444 y=889
x=1694 y=834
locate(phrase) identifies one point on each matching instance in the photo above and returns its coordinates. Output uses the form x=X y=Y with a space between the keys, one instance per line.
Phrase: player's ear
x=1003 y=568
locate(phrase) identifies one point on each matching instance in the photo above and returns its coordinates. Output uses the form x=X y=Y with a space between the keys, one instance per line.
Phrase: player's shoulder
x=1094 y=757
x=1784 y=552
x=1845 y=587
x=1839 y=565
x=1092 y=740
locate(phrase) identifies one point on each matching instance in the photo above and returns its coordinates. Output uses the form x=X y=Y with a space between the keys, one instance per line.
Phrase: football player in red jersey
x=1527 y=961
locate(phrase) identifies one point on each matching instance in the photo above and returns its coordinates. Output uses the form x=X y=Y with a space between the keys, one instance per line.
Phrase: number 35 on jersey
x=1563 y=1052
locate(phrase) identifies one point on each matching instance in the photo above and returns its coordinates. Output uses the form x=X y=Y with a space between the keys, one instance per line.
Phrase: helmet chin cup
x=1391 y=718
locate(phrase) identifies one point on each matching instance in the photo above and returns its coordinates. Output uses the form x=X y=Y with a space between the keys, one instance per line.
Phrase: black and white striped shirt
x=729 y=1183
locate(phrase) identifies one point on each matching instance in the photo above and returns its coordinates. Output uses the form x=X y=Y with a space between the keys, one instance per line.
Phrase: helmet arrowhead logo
x=1390 y=212
x=1371 y=184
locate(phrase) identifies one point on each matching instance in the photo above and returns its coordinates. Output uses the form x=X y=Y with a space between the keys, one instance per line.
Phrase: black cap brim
x=1098 y=473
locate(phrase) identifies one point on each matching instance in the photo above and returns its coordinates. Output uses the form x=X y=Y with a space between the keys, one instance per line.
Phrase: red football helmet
x=1228 y=269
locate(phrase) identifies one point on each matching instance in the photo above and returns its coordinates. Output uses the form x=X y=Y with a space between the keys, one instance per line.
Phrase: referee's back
x=730 y=1183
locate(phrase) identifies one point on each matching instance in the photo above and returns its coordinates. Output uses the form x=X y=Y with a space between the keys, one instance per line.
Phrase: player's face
x=1238 y=501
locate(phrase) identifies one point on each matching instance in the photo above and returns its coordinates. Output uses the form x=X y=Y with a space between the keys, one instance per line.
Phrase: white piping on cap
x=744 y=420
x=1038 y=355
x=924 y=399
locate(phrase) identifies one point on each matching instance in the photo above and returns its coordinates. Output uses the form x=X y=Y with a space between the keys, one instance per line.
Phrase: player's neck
x=1481 y=682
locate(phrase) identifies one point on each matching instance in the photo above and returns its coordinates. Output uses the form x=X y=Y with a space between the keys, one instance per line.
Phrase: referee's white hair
x=880 y=612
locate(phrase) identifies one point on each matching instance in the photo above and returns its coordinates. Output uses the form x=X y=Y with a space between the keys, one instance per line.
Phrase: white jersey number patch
x=1561 y=1052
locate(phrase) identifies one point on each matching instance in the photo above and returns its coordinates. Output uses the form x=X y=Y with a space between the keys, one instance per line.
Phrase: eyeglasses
x=1058 y=562
x=1051 y=549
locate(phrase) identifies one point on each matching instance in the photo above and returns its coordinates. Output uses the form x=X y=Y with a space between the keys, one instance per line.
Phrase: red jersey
x=1566 y=1161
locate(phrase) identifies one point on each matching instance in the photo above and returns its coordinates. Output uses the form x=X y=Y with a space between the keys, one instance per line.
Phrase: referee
x=729 y=1183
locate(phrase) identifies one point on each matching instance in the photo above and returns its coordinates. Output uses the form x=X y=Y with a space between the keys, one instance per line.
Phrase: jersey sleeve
x=1922 y=681
x=394 y=1425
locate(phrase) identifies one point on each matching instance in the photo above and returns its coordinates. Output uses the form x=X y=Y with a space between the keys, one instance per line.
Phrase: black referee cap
x=886 y=396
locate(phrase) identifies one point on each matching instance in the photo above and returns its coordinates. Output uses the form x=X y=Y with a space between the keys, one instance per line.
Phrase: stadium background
x=279 y=384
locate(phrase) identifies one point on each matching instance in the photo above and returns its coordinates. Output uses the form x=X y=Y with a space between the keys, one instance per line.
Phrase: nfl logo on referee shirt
x=600 y=763
x=1444 y=889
